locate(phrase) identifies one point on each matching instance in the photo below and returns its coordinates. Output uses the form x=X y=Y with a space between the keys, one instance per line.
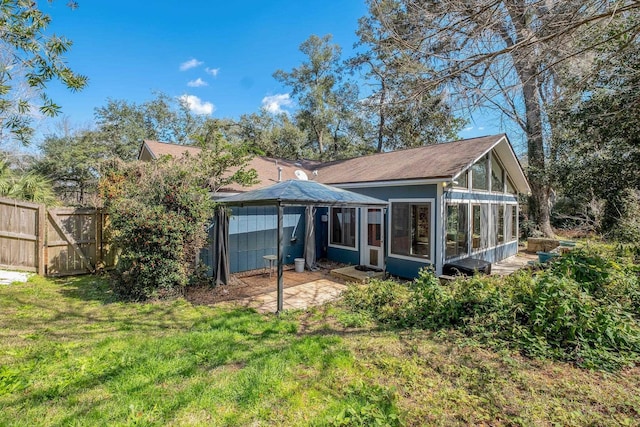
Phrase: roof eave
x=392 y=183
x=280 y=202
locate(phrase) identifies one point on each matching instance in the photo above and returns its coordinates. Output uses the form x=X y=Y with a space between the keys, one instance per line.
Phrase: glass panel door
x=373 y=250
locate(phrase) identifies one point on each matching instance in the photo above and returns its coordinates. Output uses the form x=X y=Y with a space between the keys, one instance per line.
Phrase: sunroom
x=449 y=202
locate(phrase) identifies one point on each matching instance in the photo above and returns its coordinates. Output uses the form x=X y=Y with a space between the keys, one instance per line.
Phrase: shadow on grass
x=90 y=287
x=235 y=358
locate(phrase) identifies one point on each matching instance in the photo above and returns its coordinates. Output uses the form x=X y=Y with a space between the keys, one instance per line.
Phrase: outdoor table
x=270 y=259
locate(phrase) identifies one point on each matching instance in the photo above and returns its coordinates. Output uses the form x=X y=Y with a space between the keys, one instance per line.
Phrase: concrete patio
x=258 y=290
x=513 y=264
x=300 y=297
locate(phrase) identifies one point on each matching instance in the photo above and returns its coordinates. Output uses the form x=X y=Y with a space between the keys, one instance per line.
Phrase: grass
x=69 y=355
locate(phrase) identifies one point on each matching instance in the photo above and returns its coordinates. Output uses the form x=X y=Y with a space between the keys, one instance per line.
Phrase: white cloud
x=467 y=129
x=197 y=83
x=274 y=103
x=192 y=63
x=213 y=71
x=197 y=105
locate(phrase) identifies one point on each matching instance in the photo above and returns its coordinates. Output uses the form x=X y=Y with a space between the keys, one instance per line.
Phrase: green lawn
x=71 y=356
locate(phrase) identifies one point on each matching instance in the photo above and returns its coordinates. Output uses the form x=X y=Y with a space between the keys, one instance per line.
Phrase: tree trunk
x=383 y=91
x=526 y=66
x=320 y=136
x=539 y=206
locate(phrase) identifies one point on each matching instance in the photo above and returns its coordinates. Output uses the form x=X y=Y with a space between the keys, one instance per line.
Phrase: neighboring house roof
x=438 y=162
x=266 y=167
x=151 y=150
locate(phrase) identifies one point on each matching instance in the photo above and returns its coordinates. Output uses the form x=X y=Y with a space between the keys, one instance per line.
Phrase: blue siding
x=403 y=192
x=404 y=268
x=344 y=255
x=253 y=233
x=396 y=267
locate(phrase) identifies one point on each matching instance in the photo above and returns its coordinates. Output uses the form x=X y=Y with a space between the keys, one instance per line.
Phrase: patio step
x=350 y=274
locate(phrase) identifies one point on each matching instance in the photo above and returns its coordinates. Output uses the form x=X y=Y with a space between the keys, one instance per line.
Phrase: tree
x=28 y=186
x=274 y=135
x=221 y=162
x=30 y=59
x=501 y=54
x=400 y=116
x=123 y=125
x=322 y=96
x=72 y=159
x=72 y=163
x=160 y=210
x=597 y=140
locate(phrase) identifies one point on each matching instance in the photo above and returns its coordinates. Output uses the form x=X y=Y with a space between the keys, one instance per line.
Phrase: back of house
x=447 y=202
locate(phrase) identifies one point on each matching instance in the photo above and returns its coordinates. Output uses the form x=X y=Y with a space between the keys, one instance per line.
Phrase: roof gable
x=156 y=149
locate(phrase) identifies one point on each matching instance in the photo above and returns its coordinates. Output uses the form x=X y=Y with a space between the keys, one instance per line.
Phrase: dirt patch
x=246 y=285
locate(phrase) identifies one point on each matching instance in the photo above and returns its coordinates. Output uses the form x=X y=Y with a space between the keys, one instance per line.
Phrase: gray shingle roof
x=427 y=162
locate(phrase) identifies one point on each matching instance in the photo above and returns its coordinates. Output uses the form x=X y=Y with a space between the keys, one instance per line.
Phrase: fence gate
x=53 y=242
x=71 y=241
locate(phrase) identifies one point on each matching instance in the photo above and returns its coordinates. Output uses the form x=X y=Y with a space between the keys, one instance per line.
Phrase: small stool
x=270 y=259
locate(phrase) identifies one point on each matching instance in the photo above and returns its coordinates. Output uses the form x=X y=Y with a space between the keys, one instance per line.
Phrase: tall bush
x=159 y=212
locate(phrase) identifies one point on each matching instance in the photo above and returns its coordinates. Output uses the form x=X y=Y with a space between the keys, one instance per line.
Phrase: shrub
x=608 y=273
x=384 y=300
x=583 y=309
x=562 y=320
x=158 y=213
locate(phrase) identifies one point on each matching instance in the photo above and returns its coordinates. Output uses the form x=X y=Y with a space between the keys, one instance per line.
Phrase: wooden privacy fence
x=53 y=241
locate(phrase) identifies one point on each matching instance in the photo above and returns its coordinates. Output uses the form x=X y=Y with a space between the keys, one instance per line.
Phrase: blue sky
x=221 y=54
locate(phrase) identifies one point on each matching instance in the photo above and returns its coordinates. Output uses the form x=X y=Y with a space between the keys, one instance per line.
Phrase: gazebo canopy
x=298 y=193
x=301 y=193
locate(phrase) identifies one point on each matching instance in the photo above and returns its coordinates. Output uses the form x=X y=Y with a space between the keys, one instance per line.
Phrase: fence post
x=99 y=255
x=41 y=240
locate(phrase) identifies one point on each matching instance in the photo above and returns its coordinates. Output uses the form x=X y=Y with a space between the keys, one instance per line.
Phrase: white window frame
x=488 y=178
x=514 y=224
x=469 y=211
x=432 y=230
x=356 y=248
